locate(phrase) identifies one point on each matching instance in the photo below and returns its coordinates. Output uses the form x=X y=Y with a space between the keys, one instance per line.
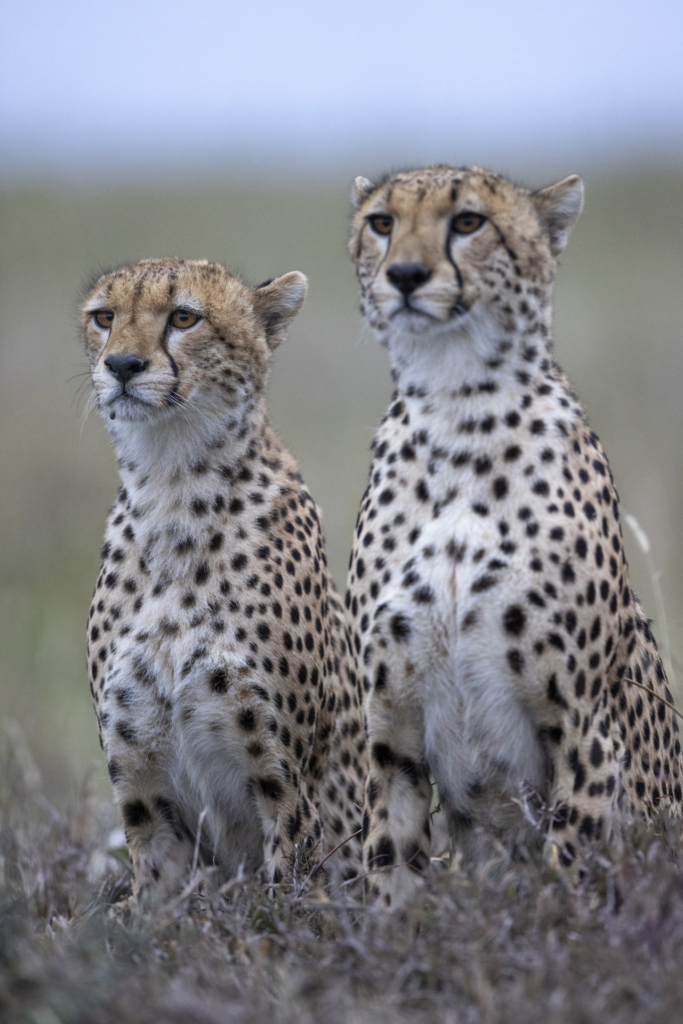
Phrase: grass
x=473 y=947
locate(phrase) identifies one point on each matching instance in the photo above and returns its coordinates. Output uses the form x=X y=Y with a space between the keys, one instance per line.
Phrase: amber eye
x=466 y=223
x=381 y=223
x=184 y=318
x=104 y=318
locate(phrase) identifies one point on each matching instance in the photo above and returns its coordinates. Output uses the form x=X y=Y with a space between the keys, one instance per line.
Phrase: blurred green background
x=619 y=311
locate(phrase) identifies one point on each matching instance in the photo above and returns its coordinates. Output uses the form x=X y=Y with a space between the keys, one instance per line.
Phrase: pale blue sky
x=174 y=81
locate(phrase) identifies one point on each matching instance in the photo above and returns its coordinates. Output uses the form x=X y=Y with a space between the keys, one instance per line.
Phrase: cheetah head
x=166 y=338
x=436 y=248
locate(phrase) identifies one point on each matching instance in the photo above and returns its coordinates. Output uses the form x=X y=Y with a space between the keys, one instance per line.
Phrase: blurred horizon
x=164 y=88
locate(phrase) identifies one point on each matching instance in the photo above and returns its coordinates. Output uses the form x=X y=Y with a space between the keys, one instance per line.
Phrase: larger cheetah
x=498 y=640
x=216 y=650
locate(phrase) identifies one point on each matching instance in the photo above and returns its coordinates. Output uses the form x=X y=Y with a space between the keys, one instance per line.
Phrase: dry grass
x=473 y=947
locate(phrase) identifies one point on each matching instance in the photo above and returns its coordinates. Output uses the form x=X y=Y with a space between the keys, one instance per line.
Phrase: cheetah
x=228 y=713
x=501 y=649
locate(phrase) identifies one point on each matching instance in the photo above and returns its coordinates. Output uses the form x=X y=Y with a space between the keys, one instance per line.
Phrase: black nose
x=125 y=366
x=408 y=276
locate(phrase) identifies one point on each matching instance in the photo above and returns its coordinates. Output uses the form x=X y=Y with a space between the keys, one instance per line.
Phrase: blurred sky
x=101 y=86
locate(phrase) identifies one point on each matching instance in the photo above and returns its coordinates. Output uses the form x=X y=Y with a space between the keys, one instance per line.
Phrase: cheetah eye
x=381 y=223
x=103 y=318
x=183 y=318
x=466 y=223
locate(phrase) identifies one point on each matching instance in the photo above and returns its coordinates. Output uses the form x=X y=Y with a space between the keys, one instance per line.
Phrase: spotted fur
x=500 y=646
x=216 y=648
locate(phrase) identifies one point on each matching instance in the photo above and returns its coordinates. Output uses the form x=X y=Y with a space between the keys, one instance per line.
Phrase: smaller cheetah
x=218 y=663
x=500 y=646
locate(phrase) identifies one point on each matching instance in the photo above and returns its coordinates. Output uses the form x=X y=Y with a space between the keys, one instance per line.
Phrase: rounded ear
x=360 y=190
x=277 y=302
x=558 y=208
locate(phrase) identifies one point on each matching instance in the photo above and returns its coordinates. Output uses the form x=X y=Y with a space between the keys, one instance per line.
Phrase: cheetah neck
x=177 y=476
x=449 y=359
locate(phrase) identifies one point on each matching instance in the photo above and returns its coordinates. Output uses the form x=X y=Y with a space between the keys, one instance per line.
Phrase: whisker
x=79 y=392
x=89 y=405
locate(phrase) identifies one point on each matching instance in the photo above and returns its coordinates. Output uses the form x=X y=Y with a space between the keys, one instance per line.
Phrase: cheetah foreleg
x=396 y=826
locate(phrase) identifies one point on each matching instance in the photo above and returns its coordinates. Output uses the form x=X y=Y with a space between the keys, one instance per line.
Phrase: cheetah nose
x=125 y=366
x=408 y=276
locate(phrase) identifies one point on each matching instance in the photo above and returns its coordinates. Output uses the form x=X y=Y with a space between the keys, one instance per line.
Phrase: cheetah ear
x=360 y=190
x=558 y=208
x=278 y=302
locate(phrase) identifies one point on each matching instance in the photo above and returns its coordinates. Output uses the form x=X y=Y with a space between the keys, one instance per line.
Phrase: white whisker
x=91 y=403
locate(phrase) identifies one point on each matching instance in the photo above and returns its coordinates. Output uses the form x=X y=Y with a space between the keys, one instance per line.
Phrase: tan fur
x=216 y=649
x=494 y=626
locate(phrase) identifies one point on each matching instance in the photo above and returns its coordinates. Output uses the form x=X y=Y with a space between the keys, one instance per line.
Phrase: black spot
x=500 y=487
x=202 y=573
x=482 y=465
x=247 y=720
x=515 y=660
x=219 y=681
x=597 y=755
x=415 y=858
x=271 y=788
x=580 y=684
x=385 y=854
x=383 y=755
x=400 y=627
x=381 y=676
x=126 y=732
x=514 y=620
x=135 y=814
x=483 y=583
x=554 y=693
